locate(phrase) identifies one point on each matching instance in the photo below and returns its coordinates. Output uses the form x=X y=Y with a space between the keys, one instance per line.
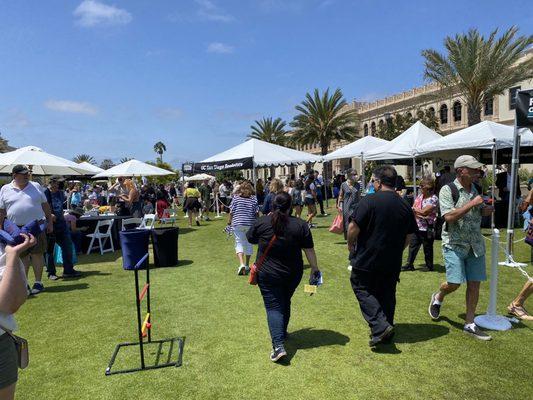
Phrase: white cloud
x=169 y=112
x=220 y=48
x=69 y=106
x=15 y=119
x=91 y=13
x=209 y=11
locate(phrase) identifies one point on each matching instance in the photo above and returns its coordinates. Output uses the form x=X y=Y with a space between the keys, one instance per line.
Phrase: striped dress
x=244 y=210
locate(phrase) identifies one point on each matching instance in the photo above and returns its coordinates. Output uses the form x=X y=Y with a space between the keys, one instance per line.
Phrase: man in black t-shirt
x=378 y=232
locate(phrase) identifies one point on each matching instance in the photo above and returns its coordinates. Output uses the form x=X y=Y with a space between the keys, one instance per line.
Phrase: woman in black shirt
x=281 y=272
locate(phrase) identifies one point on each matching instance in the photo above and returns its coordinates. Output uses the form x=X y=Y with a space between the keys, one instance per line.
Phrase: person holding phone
x=13 y=294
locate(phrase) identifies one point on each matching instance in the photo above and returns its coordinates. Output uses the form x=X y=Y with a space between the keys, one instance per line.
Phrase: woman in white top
x=13 y=294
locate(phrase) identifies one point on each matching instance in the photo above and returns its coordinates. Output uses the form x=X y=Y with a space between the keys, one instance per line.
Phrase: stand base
x=179 y=340
x=513 y=264
x=493 y=322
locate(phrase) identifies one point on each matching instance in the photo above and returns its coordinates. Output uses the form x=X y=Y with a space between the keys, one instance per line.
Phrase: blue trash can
x=134 y=244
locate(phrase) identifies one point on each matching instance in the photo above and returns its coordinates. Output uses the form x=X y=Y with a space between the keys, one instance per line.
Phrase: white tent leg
x=414 y=177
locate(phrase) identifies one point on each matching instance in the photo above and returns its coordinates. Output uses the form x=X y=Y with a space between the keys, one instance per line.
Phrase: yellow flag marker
x=310 y=289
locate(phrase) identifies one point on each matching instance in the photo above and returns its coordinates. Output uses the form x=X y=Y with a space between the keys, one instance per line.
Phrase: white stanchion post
x=491 y=320
x=217 y=207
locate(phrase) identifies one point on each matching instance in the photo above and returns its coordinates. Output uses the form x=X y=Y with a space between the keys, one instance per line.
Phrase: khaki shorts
x=8 y=361
x=39 y=248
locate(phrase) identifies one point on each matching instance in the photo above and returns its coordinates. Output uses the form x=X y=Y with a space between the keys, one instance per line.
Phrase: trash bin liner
x=134 y=244
x=165 y=246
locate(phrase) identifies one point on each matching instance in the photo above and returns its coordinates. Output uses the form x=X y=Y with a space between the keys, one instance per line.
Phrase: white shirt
x=7 y=320
x=22 y=206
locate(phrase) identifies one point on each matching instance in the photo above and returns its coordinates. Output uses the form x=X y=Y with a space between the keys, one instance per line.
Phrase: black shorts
x=309 y=201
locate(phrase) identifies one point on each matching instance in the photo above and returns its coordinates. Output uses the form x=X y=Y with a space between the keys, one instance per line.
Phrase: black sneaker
x=476 y=332
x=197 y=223
x=37 y=288
x=277 y=353
x=434 y=309
x=387 y=333
x=408 y=268
x=72 y=274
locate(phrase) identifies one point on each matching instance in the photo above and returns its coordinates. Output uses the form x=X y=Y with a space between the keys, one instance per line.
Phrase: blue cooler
x=134 y=244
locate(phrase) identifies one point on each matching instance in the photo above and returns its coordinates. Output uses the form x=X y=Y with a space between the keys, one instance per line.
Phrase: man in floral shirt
x=462 y=242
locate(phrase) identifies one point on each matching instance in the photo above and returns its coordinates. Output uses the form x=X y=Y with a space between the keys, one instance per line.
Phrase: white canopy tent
x=264 y=154
x=133 y=168
x=405 y=146
x=40 y=162
x=357 y=149
x=92 y=169
x=485 y=135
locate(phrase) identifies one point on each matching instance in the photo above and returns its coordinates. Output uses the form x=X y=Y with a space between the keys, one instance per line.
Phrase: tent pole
x=325 y=186
x=414 y=177
x=512 y=192
x=363 y=183
x=492 y=218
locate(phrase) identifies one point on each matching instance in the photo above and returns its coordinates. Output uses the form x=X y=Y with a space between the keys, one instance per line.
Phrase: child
x=148 y=207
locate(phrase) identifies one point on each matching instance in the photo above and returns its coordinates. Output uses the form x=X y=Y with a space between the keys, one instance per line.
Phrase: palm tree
x=125 y=159
x=160 y=148
x=479 y=68
x=269 y=130
x=323 y=119
x=106 y=164
x=84 y=158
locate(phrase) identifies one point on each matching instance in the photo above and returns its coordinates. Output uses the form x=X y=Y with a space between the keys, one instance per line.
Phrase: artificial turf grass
x=74 y=326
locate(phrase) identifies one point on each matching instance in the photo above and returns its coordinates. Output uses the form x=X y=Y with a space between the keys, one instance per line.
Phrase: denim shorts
x=463 y=266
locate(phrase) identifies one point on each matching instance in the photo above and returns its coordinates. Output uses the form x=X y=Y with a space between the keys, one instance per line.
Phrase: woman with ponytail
x=282 y=237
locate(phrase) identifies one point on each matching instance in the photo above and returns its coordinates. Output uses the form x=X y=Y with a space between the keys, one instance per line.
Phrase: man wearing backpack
x=463 y=245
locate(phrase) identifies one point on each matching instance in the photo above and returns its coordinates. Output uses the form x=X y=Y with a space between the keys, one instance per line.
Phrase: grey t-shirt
x=22 y=206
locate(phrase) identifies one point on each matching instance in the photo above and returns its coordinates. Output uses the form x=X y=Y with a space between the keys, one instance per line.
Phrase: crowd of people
x=378 y=226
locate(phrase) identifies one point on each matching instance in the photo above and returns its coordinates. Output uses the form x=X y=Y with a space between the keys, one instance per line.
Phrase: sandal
x=519 y=312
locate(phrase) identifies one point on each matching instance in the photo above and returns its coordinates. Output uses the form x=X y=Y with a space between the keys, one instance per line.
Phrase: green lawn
x=74 y=326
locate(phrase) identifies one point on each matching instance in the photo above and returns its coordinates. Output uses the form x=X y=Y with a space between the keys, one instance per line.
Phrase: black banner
x=215 y=166
x=524 y=109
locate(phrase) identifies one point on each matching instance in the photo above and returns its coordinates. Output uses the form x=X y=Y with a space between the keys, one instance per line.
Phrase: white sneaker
x=241 y=270
x=349 y=267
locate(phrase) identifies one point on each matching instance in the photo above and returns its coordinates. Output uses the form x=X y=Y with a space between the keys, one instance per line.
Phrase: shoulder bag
x=254 y=270
x=23 y=355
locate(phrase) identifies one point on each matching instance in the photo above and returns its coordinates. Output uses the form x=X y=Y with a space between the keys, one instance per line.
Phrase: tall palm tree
x=269 y=130
x=160 y=148
x=84 y=158
x=106 y=164
x=479 y=68
x=323 y=119
x=125 y=159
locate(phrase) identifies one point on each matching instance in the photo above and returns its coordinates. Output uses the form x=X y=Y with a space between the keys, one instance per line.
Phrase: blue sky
x=112 y=77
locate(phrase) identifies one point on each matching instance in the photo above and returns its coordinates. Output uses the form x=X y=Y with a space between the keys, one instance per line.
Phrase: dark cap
x=20 y=169
x=57 y=178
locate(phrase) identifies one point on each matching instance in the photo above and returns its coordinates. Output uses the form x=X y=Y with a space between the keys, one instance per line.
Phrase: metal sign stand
x=144 y=330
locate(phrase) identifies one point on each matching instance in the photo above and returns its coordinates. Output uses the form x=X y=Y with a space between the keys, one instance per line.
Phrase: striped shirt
x=243 y=210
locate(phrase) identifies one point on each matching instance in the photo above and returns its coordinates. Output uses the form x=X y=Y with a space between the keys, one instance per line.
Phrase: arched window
x=373 y=128
x=457 y=109
x=365 y=130
x=444 y=114
x=409 y=115
x=381 y=123
x=489 y=107
x=431 y=111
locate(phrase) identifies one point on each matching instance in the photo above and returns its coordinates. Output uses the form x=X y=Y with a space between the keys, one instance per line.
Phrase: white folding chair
x=148 y=221
x=101 y=237
x=131 y=221
x=169 y=216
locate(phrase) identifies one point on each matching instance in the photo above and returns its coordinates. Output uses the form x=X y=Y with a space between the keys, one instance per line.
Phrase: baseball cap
x=20 y=169
x=467 y=161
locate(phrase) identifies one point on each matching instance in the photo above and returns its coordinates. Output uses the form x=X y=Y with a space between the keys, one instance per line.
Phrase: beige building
x=451 y=113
